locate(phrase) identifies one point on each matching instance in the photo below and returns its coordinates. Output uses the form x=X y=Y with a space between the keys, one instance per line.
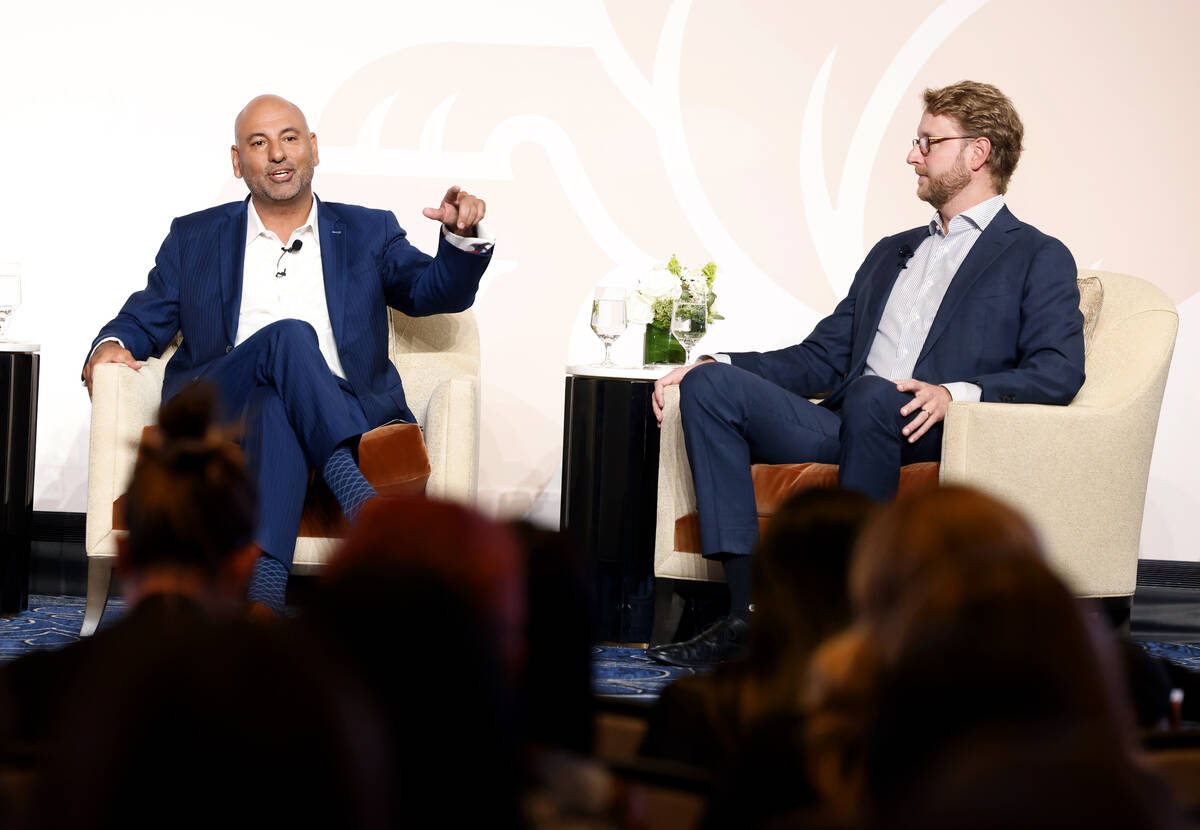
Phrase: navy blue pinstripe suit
x=295 y=411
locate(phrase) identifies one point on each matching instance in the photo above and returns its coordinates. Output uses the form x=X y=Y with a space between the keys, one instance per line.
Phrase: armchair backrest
x=1131 y=346
x=429 y=350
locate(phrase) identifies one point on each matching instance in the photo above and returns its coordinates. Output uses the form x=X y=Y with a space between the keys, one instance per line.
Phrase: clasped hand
x=658 y=400
x=929 y=402
x=459 y=211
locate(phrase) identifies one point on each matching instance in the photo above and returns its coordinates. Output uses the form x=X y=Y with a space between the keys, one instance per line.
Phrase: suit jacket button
x=228 y=349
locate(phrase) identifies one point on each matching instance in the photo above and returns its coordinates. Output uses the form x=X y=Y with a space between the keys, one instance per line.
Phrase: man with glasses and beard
x=976 y=305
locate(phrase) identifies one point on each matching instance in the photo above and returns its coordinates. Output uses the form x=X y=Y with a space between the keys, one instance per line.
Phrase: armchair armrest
x=124 y=401
x=1079 y=472
x=676 y=498
x=451 y=429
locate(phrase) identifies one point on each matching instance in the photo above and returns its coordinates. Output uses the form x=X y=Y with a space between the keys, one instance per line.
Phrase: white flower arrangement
x=650 y=303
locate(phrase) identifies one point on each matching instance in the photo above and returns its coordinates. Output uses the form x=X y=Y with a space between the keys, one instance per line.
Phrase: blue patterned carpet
x=50 y=622
x=617 y=672
x=1183 y=654
x=627 y=673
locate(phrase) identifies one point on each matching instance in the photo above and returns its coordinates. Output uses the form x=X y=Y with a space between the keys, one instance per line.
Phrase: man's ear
x=237 y=161
x=981 y=151
x=312 y=137
x=235 y=575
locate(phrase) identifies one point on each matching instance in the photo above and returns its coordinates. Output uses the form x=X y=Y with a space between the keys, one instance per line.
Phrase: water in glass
x=689 y=323
x=608 y=317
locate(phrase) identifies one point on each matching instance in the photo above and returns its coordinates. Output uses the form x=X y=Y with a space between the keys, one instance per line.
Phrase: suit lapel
x=991 y=243
x=333 y=265
x=232 y=246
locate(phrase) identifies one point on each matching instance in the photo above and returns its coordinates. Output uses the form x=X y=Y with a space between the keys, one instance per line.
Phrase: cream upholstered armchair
x=1078 y=471
x=438 y=360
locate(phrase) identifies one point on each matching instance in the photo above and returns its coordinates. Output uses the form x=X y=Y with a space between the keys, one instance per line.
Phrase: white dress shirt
x=278 y=285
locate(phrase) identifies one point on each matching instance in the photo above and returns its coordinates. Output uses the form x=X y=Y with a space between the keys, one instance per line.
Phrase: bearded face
x=939 y=188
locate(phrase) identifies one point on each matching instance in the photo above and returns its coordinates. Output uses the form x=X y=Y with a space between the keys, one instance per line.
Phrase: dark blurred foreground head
x=226 y=724
x=190 y=508
x=962 y=630
x=424 y=603
x=472 y=553
x=555 y=694
x=801 y=570
x=800 y=598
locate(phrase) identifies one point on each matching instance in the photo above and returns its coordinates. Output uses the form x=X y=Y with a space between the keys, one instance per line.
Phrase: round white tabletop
x=652 y=372
x=15 y=346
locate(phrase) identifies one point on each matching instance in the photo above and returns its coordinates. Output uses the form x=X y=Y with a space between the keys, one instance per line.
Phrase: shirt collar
x=255 y=229
x=980 y=215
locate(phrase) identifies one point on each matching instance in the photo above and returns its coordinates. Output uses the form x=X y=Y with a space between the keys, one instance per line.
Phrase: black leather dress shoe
x=719 y=643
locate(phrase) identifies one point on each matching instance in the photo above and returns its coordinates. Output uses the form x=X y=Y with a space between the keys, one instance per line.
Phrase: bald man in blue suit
x=301 y=363
x=976 y=305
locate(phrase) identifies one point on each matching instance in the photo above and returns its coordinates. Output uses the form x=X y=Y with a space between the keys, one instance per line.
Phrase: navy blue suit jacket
x=196 y=287
x=1009 y=322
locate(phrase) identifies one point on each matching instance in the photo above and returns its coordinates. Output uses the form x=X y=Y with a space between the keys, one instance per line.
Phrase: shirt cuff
x=481 y=243
x=719 y=357
x=116 y=340
x=963 y=391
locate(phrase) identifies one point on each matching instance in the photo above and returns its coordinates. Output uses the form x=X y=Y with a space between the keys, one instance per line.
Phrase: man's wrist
x=474 y=240
x=96 y=348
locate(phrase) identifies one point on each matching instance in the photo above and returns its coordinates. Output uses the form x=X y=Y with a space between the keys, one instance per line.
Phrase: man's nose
x=914 y=156
x=276 y=150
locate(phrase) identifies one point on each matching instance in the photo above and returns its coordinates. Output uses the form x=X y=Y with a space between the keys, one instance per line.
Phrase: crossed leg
x=294 y=415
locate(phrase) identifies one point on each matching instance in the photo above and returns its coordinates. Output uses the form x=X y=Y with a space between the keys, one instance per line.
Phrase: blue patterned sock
x=268 y=584
x=347 y=483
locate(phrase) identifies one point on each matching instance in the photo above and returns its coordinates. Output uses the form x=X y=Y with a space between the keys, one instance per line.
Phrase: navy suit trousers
x=733 y=418
x=293 y=412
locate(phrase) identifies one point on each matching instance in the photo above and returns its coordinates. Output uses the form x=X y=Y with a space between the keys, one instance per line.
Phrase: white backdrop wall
x=768 y=135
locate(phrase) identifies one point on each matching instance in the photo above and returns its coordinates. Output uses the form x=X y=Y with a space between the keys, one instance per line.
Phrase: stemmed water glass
x=689 y=321
x=10 y=292
x=608 y=317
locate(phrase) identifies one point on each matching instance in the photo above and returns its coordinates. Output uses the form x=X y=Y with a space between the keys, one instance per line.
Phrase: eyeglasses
x=927 y=141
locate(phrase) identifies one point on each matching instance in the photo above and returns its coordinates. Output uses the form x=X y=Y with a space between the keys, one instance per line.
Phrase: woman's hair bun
x=190 y=415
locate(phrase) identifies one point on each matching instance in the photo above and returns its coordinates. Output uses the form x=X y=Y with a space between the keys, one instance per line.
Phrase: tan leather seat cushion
x=392 y=458
x=775 y=483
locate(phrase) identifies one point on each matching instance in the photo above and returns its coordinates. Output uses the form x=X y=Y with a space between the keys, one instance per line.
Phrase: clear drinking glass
x=608 y=317
x=689 y=321
x=10 y=293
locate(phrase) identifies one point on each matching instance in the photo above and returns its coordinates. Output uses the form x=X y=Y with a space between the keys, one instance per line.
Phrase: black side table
x=610 y=491
x=19 y=364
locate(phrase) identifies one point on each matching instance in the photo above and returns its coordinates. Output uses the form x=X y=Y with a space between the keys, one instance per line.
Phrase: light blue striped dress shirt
x=918 y=294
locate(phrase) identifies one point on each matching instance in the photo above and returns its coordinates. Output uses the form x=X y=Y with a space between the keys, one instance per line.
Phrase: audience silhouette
x=968 y=652
x=911 y=665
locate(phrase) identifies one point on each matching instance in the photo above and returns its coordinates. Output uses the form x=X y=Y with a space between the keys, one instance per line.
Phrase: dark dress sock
x=268 y=583
x=738 y=570
x=346 y=481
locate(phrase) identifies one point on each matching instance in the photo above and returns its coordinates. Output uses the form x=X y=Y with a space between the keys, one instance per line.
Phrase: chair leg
x=99 y=580
x=668 y=611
